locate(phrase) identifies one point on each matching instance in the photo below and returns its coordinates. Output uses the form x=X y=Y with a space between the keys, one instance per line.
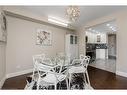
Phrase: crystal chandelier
x=73 y=12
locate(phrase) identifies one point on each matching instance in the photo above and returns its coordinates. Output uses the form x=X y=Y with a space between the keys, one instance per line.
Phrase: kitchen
x=101 y=45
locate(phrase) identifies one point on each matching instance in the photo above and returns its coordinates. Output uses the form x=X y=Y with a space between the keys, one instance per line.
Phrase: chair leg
x=87 y=77
x=67 y=83
x=55 y=86
x=59 y=85
x=37 y=85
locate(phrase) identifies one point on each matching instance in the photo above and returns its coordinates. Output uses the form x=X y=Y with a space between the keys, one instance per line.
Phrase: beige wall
x=2 y=61
x=81 y=39
x=122 y=43
x=21 y=43
x=121 y=20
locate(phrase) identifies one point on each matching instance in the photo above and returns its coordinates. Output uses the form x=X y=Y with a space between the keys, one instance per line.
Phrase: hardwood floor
x=18 y=82
x=100 y=79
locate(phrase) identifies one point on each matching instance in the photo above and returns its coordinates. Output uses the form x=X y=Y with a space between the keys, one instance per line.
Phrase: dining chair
x=81 y=68
x=49 y=76
x=37 y=58
x=65 y=57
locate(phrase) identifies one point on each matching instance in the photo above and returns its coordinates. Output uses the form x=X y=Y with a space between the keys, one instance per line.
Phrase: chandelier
x=73 y=12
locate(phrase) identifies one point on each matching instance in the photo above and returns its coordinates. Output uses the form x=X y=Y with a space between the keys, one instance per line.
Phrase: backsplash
x=101 y=46
x=90 y=46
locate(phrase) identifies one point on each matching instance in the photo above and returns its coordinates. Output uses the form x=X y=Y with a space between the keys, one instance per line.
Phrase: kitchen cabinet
x=100 y=53
x=92 y=37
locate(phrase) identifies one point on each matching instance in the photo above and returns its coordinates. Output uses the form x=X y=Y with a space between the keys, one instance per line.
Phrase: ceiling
x=107 y=27
x=87 y=13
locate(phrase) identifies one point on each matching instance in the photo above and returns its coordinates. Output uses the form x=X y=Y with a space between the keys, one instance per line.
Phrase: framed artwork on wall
x=3 y=27
x=44 y=37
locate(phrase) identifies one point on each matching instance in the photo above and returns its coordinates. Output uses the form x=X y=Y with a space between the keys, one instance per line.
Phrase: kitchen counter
x=96 y=50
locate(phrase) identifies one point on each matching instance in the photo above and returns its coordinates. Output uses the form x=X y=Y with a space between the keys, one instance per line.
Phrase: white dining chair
x=65 y=57
x=81 y=68
x=49 y=76
x=40 y=58
x=36 y=58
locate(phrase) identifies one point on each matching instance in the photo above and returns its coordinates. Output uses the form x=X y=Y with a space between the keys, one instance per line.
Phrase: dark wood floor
x=100 y=79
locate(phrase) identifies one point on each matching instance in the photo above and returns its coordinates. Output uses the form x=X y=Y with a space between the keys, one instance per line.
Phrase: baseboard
x=2 y=82
x=18 y=73
x=121 y=73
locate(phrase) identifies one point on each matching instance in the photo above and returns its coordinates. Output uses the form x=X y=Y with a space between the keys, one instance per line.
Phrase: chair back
x=60 y=55
x=44 y=67
x=85 y=61
x=65 y=57
x=50 y=70
x=81 y=56
x=39 y=58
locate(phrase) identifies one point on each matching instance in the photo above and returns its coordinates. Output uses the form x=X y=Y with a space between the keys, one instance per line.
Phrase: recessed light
x=111 y=27
x=90 y=29
x=114 y=29
x=107 y=24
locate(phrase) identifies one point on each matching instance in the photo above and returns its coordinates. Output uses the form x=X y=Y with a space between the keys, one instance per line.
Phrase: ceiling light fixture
x=89 y=29
x=94 y=30
x=73 y=12
x=107 y=24
x=57 y=21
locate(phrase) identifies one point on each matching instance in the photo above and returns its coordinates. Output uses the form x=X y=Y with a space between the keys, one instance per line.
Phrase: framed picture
x=44 y=37
x=3 y=26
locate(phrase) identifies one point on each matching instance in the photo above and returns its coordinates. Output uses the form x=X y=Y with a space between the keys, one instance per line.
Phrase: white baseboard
x=18 y=73
x=121 y=73
x=2 y=82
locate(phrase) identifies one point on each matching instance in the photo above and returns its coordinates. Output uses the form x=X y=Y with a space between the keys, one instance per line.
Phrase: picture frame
x=44 y=37
x=3 y=27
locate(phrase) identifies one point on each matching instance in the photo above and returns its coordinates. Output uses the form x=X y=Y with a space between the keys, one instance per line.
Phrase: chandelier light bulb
x=73 y=12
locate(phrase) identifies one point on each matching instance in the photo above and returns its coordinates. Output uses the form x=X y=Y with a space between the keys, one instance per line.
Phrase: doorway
x=112 y=46
x=101 y=45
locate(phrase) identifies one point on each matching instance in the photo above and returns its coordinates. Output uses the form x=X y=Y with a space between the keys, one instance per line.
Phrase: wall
x=21 y=43
x=81 y=40
x=122 y=44
x=2 y=61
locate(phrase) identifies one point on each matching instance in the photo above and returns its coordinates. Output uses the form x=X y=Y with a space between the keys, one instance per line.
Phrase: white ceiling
x=107 y=27
x=87 y=12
